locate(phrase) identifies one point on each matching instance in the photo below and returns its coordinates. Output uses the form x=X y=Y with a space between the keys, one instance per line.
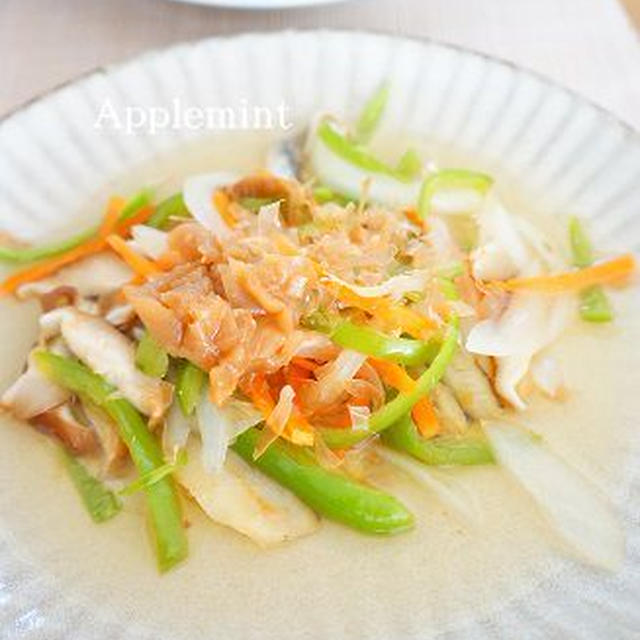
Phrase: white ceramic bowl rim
x=425 y=40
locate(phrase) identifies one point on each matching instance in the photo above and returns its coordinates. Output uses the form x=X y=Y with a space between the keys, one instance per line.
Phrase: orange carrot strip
x=142 y=215
x=424 y=415
x=393 y=315
x=423 y=412
x=297 y=377
x=393 y=374
x=338 y=420
x=304 y=363
x=51 y=265
x=138 y=263
x=221 y=202
x=413 y=216
x=111 y=217
x=602 y=273
x=298 y=430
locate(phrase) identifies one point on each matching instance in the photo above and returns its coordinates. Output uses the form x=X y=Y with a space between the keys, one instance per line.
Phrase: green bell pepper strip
x=448 y=288
x=594 y=304
x=164 y=505
x=322 y=195
x=452 y=271
x=19 y=255
x=374 y=343
x=135 y=203
x=446 y=277
x=156 y=475
x=371 y=114
x=101 y=503
x=414 y=296
x=355 y=154
x=171 y=207
x=470 y=448
x=189 y=384
x=409 y=165
x=254 y=204
x=331 y=494
x=450 y=179
x=151 y=358
x=581 y=248
x=402 y=404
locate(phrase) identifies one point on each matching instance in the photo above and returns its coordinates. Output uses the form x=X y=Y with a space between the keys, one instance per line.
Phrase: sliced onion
x=516 y=332
x=530 y=322
x=552 y=256
x=241 y=415
x=359 y=417
x=315 y=345
x=456 y=201
x=491 y=262
x=151 y=242
x=269 y=218
x=343 y=177
x=396 y=286
x=333 y=378
x=278 y=418
x=198 y=193
x=547 y=375
x=445 y=486
x=558 y=314
x=440 y=240
x=510 y=371
x=283 y=158
x=177 y=429
x=219 y=426
x=577 y=512
x=244 y=499
x=500 y=238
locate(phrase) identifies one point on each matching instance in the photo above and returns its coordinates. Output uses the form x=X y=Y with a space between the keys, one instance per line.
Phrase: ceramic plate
x=552 y=152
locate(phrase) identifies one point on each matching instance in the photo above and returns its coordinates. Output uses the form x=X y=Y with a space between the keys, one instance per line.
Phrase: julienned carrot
x=304 y=363
x=391 y=314
x=47 y=267
x=298 y=430
x=425 y=418
x=111 y=216
x=412 y=215
x=423 y=413
x=602 y=273
x=221 y=202
x=138 y=263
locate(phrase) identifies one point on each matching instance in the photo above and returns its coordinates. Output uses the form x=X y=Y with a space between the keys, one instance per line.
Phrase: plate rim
x=613 y=118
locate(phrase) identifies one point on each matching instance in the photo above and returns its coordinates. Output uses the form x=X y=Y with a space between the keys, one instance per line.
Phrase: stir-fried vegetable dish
x=248 y=341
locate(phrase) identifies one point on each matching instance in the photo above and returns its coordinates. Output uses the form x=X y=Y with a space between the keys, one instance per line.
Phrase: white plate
x=62 y=577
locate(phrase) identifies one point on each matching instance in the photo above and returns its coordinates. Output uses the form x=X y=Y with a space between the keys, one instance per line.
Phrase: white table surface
x=587 y=45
